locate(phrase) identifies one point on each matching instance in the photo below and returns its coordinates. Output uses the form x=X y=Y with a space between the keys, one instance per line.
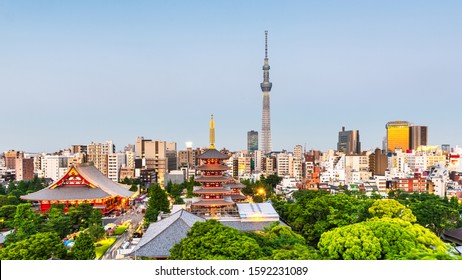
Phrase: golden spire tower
x=212 y=133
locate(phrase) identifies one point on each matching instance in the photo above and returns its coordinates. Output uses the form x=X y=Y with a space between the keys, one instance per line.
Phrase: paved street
x=136 y=217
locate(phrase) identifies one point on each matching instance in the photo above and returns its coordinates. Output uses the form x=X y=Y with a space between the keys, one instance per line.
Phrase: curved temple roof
x=99 y=187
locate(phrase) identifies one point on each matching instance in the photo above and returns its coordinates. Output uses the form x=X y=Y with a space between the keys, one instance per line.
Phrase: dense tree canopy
x=84 y=248
x=20 y=188
x=95 y=225
x=211 y=240
x=390 y=208
x=58 y=222
x=315 y=212
x=7 y=213
x=281 y=243
x=40 y=246
x=262 y=189
x=26 y=223
x=385 y=238
x=433 y=212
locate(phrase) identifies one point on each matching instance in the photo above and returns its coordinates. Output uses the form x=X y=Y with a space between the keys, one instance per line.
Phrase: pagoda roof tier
x=213 y=167
x=211 y=179
x=213 y=203
x=238 y=197
x=234 y=185
x=81 y=182
x=216 y=190
x=212 y=154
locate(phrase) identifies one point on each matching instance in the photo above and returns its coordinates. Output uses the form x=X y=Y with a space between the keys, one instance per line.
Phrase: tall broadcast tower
x=266 y=145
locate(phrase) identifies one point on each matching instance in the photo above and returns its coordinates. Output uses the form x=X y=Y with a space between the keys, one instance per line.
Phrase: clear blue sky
x=72 y=72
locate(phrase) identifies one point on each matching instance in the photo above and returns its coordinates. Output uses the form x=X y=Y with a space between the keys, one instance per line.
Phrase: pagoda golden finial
x=212 y=133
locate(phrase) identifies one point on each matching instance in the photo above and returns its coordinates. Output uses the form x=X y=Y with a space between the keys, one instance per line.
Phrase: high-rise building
x=98 y=154
x=348 y=142
x=10 y=158
x=187 y=158
x=298 y=152
x=398 y=135
x=378 y=162
x=79 y=149
x=139 y=146
x=24 y=167
x=160 y=156
x=53 y=166
x=418 y=136
x=405 y=136
x=252 y=141
x=115 y=162
x=266 y=144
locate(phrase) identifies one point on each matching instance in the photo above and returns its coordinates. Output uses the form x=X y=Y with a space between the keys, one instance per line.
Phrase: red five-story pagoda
x=214 y=199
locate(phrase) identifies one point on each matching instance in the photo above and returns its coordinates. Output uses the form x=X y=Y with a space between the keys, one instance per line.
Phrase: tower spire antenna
x=266 y=43
x=212 y=132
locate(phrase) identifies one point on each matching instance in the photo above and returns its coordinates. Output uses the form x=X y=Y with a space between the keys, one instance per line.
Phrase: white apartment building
x=416 y=163
x=115 y=162
x=397 y=165
x=440 y=178
x=53 y=166
x=356 y=169
x=283 y=164
x=258 y=160
x=244 y=165
x=334 y=169
x=297 y=170
x=98 y=154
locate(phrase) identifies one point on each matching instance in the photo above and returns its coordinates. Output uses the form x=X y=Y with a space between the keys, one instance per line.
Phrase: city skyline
x=76 y=73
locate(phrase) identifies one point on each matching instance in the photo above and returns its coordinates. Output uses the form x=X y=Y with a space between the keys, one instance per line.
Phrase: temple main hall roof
x=81 y=182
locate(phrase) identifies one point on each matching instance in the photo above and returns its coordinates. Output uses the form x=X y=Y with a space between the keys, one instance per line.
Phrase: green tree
x=286 y=244
x=13 y=200
x=26 y=223
x=158 y=201
x=80 y=215
x=175 y=191
x=433 y=212
x=386 y=238
x=40 y=246
x=211 y=240
x=84 y=248
x=7 y=213
x=315 y=212
x=59 y=222
x=3 y=200
x=391 y=208
x=95 y=225
x=271 y=180
x=352 y=242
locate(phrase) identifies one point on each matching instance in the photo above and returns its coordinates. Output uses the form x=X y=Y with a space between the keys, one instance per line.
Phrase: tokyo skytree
x=266 y=144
